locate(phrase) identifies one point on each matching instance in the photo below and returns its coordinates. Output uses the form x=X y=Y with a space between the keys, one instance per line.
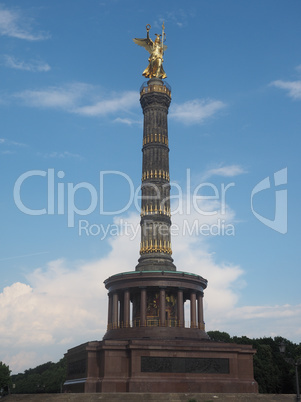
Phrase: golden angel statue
x=156 y=50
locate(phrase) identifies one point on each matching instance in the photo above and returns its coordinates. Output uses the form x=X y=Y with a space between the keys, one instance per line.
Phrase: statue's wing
x=164 y=47
x=146 y=43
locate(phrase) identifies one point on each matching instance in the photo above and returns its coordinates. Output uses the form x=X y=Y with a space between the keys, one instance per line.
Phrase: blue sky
x=70 y=113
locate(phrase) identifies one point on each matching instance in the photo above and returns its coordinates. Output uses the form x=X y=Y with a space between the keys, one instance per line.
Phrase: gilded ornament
x=156 y=49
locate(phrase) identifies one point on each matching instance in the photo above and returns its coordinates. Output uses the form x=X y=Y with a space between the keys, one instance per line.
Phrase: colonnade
x=119 y=311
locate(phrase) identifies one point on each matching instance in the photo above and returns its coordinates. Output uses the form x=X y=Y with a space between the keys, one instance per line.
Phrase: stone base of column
x=155 y=263
x=158 y=365
x=159 y=332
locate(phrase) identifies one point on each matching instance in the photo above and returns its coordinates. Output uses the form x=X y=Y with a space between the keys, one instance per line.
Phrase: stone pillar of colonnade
x=126 y=306
x=119 y=309
x=143 y=322
x=110 y=311
x=180 y=306
x=115 y=311
x=162 y=308
x=201 y=323
x=193 y=310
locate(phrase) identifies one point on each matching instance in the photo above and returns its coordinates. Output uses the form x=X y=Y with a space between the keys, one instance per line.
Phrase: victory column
x=150 y=344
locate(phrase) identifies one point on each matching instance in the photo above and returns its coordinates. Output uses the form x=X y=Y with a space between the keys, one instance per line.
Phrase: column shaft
x=180 y=309
x=143 y=308
x=126 y=305
x=155 y=189
x=162 y=308
x=201 y=323
x=192 y=310
x=115 y=311
x=121 y=312
x=110 y=311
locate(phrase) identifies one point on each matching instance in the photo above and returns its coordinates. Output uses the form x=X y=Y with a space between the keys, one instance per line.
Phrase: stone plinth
x=145 y=365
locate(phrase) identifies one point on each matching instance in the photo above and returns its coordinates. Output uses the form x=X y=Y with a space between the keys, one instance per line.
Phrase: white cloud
x=10 y=142
x=24 y=359
x=7 y=152
x=34 y=66
x=73 y=98
x=65 y=98
x=23 y=256
x=260 y=321
x=15 y=25
x=127 y=121
x=293 y=87
x=61 y=306
x=121 y=102
x=177 y=17
x=225 y=171
x=63 y=155
x=86 y=100
x=195 y=111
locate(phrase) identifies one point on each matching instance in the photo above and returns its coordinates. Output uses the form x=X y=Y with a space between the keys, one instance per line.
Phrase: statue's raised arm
x=156 y=50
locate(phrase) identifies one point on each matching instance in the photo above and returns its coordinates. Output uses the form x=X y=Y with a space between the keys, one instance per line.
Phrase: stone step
x=137 y=397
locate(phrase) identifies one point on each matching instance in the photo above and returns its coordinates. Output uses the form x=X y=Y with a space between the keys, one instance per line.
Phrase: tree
x=219 y=336
x=272 y=373
x=48 y=377
x=5 y=380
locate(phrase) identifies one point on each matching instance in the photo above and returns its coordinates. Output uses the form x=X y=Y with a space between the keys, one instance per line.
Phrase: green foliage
x=272 y=373
x=266 y=372
x=48 y=377
x=220 y=336
x=5 y=381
